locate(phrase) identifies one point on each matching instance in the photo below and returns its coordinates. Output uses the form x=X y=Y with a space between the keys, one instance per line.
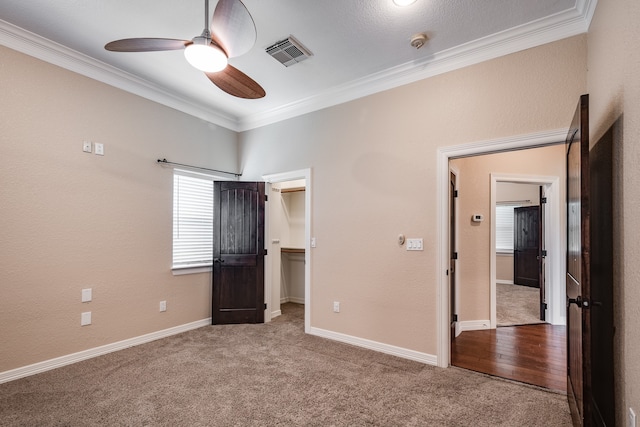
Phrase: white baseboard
x=504 y=282
x=417 y=356
x=474 y=325
x=295 y=300
x=69 y=359
x=276 y=313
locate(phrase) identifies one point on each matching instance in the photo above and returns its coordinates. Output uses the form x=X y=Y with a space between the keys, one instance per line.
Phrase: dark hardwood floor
x=533 y=354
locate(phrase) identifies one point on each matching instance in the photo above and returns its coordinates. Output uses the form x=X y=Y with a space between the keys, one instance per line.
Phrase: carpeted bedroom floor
x=269 y=375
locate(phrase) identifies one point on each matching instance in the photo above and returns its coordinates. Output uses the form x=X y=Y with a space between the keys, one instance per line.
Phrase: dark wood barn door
x=526 y=246
x=238 y=252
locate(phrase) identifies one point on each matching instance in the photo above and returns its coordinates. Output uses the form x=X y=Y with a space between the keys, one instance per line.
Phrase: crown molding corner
x=46 y=50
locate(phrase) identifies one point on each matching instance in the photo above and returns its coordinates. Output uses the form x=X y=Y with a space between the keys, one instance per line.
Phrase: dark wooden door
x=578 y=267
x=453 y=254
x=238 y=252
x=602 y=330
x=542 y=254
x=526 y=246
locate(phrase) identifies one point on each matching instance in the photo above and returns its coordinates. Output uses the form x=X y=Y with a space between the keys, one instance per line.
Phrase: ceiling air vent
x=289 y=51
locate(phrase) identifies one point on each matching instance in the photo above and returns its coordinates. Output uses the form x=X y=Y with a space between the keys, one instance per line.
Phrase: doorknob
x=578 y=301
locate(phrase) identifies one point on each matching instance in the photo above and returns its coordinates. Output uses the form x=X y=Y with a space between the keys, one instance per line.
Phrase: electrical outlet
x=85 y=318
x=99 y=149
x=163 y=306
x=336 y=306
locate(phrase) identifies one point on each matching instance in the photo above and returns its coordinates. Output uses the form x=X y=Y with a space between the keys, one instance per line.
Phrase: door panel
x=578 y=267
x=238 y=251
x=542 y=254
x=453 y=256
x=526 y=246
x=602 y=330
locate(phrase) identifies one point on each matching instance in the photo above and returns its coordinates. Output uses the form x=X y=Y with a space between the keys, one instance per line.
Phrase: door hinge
x=265 y=305
x=455 y=255
x=265 y=252
x=455 y=317
x=455 y=193
x=543 y=200
x=266 y=197
x=544 y=252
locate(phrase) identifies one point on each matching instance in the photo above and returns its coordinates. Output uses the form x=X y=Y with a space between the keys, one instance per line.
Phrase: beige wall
x=614 y=88
x=374 y=176
x=474 y=239
x=72 y=220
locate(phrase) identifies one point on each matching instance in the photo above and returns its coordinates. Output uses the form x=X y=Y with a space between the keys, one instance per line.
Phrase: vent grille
x=289 y=51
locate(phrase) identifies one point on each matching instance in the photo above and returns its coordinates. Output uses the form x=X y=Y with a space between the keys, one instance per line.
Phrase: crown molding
x=556 y=27
x=550 y=29
x=46 y=50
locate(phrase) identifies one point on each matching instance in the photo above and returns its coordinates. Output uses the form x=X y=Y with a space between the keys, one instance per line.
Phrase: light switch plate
x=415 y=244
x=86 y=146
x=86 y=295
x=99 y=149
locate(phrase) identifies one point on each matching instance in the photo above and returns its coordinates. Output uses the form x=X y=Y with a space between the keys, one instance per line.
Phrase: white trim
x=504 y=282
x=46 y=50
x=442 y=197
x=69 y=359
x=294 y=300
x=564 y=24
x=474 y=325
x=180 y=271
x=276 y=313
x=291 y=176
x=554 y=246
x=393 y=350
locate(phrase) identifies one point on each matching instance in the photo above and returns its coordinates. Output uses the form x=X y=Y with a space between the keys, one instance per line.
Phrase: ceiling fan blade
x=146 y=45
x=236 y=83
x=232 y=27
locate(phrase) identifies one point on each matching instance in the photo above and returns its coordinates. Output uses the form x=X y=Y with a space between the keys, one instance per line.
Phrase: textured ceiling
x=358 y=46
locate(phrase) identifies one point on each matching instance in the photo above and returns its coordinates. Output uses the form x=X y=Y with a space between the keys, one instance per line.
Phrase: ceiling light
x=205 y=56
x=403 y=2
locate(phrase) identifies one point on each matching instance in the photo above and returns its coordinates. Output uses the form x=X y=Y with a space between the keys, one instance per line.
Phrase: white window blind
x=192 y=220
x=504 y=227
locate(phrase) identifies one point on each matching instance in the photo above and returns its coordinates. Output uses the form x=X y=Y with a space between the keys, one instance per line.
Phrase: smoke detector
x=289 y=51
x=418 y=40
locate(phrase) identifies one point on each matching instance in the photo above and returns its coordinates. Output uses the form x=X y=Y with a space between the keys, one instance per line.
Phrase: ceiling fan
x=232 y=34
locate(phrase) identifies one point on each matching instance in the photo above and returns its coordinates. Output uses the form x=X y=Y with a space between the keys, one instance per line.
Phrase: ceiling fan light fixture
x=205 y=57
x=402 y=3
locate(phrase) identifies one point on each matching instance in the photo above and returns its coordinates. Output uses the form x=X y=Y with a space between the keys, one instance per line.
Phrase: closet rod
x=165 y=161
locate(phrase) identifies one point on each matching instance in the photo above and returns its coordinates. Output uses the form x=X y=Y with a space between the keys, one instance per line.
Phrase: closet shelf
x=292 y=190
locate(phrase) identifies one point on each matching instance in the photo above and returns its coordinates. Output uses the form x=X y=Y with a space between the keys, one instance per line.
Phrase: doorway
x=478 y=202
x=444 y=155
x=296 y=249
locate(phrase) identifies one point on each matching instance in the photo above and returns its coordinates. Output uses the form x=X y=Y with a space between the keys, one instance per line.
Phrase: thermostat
x=477 y=218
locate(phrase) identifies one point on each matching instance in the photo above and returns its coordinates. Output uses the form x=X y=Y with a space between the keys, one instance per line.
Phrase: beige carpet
x=269 y=375
x=517 y=305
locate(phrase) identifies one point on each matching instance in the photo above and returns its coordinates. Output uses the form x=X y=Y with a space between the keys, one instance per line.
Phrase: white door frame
x=443 y=155
x=268 y=288
x=552 y=236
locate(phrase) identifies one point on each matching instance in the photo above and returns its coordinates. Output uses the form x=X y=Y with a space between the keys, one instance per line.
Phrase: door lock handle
x=578 y=301
x=220 y=260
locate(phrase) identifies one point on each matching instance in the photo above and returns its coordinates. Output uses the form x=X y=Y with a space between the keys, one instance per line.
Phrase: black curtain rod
x=166 y=162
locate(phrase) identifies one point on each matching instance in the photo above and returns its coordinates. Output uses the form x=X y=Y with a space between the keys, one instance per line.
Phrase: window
x=192 y=219
x=504 y=227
